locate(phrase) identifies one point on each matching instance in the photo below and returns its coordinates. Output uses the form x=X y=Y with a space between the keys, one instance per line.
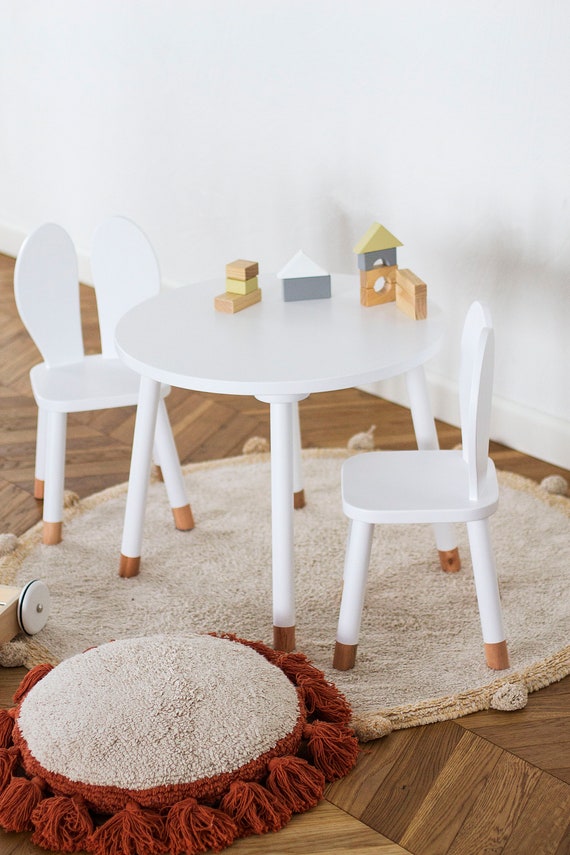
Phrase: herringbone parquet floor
x=487 y=783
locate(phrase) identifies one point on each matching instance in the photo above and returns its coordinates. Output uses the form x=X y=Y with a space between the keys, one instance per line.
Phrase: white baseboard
x=519 y=427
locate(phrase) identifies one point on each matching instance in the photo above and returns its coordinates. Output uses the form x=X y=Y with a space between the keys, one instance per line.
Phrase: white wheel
x=33 y=607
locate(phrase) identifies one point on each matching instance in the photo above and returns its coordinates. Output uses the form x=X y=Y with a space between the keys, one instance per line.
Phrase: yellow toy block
x=241 y=286
x=231 y=303
x=242 y=269
x=411 y=295
x=376 y=239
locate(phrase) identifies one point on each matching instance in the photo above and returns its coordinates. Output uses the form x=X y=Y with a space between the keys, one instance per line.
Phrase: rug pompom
x=7 y=719
x=510 y=696
x=255 y=809
x=13 y=654
x=62 y=824
x=70 y=499
x=131 y=830
x=192 y=827
x=8 y=543
x=362 y=441
x=296 y=782
x=9 y=759
x=256 y=445
x=34 y=675
x=332 y=748
x=18 y=802
x=557 y=485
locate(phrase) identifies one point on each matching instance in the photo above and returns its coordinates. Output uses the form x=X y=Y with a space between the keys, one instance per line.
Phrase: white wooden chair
x=431 y=487
x=46 y=288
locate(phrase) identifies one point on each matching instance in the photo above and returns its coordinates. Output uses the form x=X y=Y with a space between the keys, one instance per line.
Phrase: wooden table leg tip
x=38 y=489
x=450 y=560
x=51 y=533
x=284 y=638
x=129 y=567
x=344 y=656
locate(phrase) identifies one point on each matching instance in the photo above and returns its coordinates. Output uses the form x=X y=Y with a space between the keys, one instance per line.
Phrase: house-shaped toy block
x=377 y=248
x=304 y=280
x=242 y=287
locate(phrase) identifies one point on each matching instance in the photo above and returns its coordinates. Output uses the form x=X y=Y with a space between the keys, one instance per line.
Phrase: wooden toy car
x=23 y=609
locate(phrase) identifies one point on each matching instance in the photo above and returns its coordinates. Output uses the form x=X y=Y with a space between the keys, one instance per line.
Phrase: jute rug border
x=369 y=725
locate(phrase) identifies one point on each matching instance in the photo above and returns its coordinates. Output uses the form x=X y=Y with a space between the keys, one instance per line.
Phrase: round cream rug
x=420 y=656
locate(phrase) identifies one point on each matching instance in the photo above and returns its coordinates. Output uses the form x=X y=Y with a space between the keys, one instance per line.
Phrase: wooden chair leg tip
x=497 y=656
x=38 y=489
x=183 y=519
x=344 y=656
x=299 y=500
x=129 y=567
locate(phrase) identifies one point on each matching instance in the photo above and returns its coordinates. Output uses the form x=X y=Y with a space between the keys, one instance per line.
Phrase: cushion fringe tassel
x=291 y=784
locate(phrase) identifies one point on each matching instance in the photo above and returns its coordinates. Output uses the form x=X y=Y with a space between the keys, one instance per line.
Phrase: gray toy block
x=368 y=260
x=306 y=288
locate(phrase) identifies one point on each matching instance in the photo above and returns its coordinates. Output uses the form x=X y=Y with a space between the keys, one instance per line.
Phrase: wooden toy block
x=306 y=288
x=242 y=269
x=411 y=295
x=379 y=258
x=303 y=279
x=369 y=278
x=241 y=286
x=375 y=239
x=371 y=292
x=231 y=303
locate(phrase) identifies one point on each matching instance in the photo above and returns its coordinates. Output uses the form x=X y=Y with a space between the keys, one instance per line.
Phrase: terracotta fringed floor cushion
x=175 y=744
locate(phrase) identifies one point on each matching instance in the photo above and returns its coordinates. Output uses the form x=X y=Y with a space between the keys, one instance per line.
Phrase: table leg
x=141 y=460
x=426 y=438
x=281 y=416
x=298 y=489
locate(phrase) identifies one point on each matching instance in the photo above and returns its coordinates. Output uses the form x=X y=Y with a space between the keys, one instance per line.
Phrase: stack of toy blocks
x=242 y=287
x=377 y=260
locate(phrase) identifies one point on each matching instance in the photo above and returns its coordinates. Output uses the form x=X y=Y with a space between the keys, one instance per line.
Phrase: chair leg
x=169 y=461
x=40 y=467
x=426 y=438
x=356 y=565
x=54 y=477
x=486 y=585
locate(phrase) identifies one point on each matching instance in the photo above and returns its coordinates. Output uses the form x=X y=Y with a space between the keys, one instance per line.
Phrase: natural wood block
x=411 y=294
x=369 y=278
x=242 y=269
x=370 y=297
x=241 y=286
x=231 y=303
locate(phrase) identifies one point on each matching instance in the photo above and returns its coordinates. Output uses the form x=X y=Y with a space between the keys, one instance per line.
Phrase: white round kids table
x=279 y=352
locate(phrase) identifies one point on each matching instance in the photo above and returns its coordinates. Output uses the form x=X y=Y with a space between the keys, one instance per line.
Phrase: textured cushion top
x=156 y=711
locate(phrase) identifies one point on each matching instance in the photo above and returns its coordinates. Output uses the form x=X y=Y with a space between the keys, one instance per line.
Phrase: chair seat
x=94 y=383
x=414 y=487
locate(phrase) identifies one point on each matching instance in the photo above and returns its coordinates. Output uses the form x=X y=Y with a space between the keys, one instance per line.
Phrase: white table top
x=274 y=347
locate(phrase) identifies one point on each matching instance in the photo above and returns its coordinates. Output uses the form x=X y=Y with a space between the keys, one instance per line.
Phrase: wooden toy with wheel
x=23 y=609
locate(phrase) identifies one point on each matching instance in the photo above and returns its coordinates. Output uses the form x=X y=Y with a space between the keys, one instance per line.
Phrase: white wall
x=253 y=128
